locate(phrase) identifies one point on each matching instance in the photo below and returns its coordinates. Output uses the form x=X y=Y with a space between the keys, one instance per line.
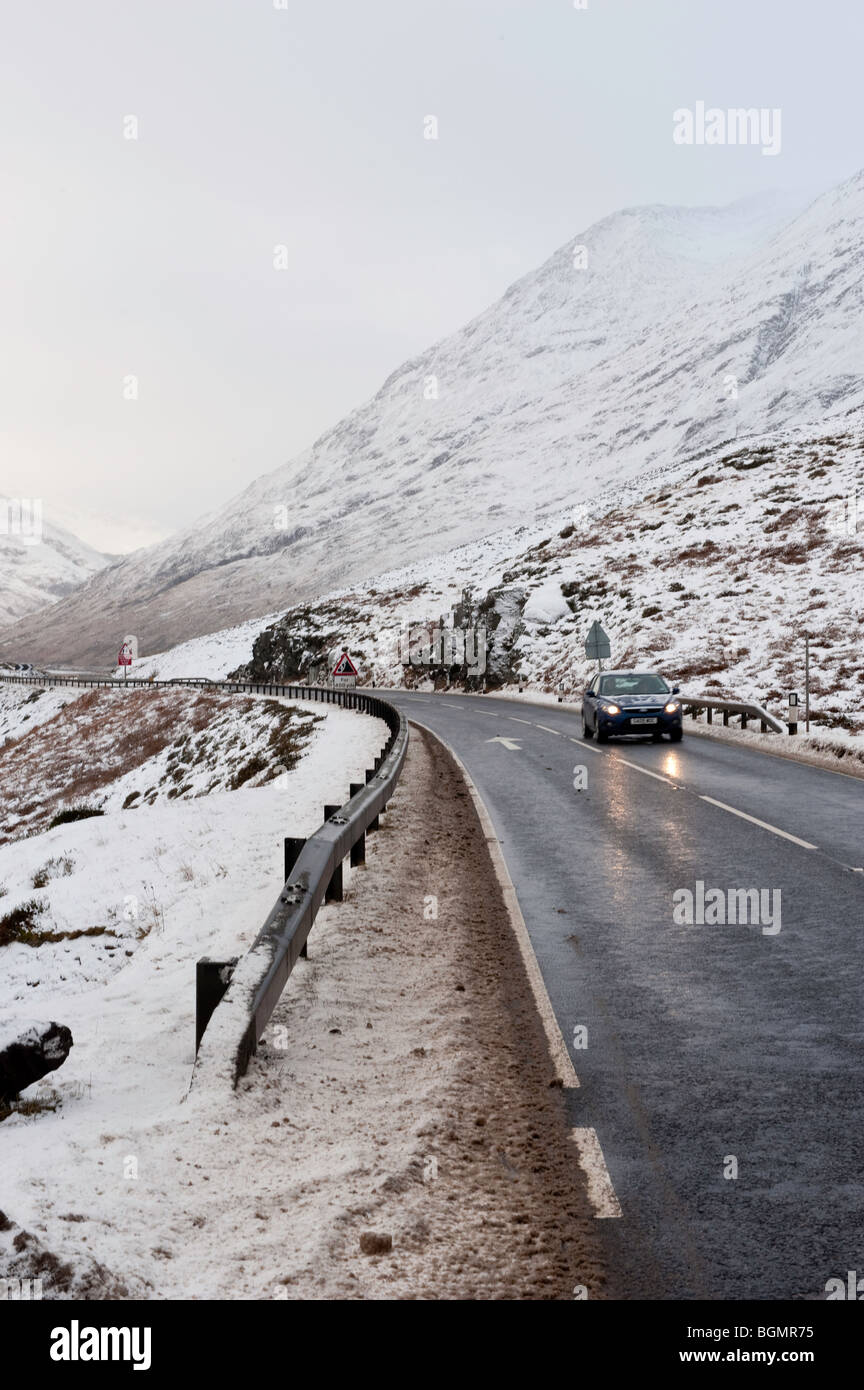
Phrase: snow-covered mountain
x=656 y=333
x=40 y=562
x=710 y=570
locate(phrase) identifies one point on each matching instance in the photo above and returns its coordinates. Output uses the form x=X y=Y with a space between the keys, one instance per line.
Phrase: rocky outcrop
x=473 y=647
x=28 y=1052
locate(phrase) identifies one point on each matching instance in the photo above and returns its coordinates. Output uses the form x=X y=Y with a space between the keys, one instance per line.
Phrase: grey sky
x=303 y=127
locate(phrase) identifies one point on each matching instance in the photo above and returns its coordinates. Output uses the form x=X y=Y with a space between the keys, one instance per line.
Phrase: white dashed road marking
x=805 y=844
x=646 y=770
x=754 y=820
x=589 y=747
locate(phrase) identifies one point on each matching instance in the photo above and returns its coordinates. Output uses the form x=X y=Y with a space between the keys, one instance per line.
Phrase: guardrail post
x=709 y=715
x=744 y=718
x=212 y=978
x=370 y=773
x=334 y=892
x=293 y=846
x=725 y=718
x=358 y=849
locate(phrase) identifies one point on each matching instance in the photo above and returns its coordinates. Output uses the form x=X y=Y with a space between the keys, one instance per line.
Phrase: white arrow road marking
x=805 y=844
x=508 y=743
x=601 y=1193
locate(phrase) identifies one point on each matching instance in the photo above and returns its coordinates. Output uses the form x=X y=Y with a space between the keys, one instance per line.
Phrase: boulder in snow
x=546 y=604
x=28 y=1052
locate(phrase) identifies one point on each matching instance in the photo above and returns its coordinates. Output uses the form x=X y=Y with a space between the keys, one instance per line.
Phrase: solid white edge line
x=805 y=844
x=601 y=1193
x=561 y=1059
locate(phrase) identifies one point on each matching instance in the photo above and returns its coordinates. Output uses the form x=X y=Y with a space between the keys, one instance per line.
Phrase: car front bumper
x=627 y=722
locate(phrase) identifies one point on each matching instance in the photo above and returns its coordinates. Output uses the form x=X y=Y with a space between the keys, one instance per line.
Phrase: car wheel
x=676 y=735
x=586 y=732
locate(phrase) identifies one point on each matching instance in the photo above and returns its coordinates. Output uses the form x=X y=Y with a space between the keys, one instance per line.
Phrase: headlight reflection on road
x=614 y=854
x=671 y=765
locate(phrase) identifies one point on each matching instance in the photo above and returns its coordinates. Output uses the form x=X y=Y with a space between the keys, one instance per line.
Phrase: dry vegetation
x=187 y=743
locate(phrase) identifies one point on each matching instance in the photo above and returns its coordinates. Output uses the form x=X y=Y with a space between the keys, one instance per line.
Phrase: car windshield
x=633 y=685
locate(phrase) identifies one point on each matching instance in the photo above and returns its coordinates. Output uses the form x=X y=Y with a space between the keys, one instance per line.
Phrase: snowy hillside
x=656 y=333
x=102 y=920
x=38 y=565
x=713 y=575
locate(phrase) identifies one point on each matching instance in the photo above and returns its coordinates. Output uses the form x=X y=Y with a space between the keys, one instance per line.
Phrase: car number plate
x=644 y=721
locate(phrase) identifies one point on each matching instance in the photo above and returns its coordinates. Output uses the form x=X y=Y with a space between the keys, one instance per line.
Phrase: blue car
x=631 y=702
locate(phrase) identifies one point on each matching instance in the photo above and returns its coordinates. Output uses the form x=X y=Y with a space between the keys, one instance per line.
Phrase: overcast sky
x=261 y=126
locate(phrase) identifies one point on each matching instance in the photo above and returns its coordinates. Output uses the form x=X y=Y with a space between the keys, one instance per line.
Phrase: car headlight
x=611 y=709
x=672 y=706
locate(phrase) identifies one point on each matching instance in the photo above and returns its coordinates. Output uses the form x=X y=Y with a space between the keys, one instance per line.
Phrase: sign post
x=597 y=645
x=124 y=658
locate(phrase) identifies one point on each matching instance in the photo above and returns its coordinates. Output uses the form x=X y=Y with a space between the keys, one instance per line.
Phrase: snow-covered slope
x=711 y=571
x=101 y=923
x=39 y=564
x=675 y=330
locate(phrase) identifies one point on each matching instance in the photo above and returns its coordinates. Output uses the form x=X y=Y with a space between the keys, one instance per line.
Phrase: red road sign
x=345 y=666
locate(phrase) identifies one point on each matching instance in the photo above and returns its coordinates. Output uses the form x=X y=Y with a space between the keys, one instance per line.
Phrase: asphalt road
x=705 y=1043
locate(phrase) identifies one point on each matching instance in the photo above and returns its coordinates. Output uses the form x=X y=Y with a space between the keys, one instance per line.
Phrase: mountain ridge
x=678 y=333
x=35 y=575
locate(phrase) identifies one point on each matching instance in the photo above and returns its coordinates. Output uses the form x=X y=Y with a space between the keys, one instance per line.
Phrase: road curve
x=710 y=1049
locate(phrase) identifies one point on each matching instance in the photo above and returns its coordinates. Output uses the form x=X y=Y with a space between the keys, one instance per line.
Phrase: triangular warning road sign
x=345 y=666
